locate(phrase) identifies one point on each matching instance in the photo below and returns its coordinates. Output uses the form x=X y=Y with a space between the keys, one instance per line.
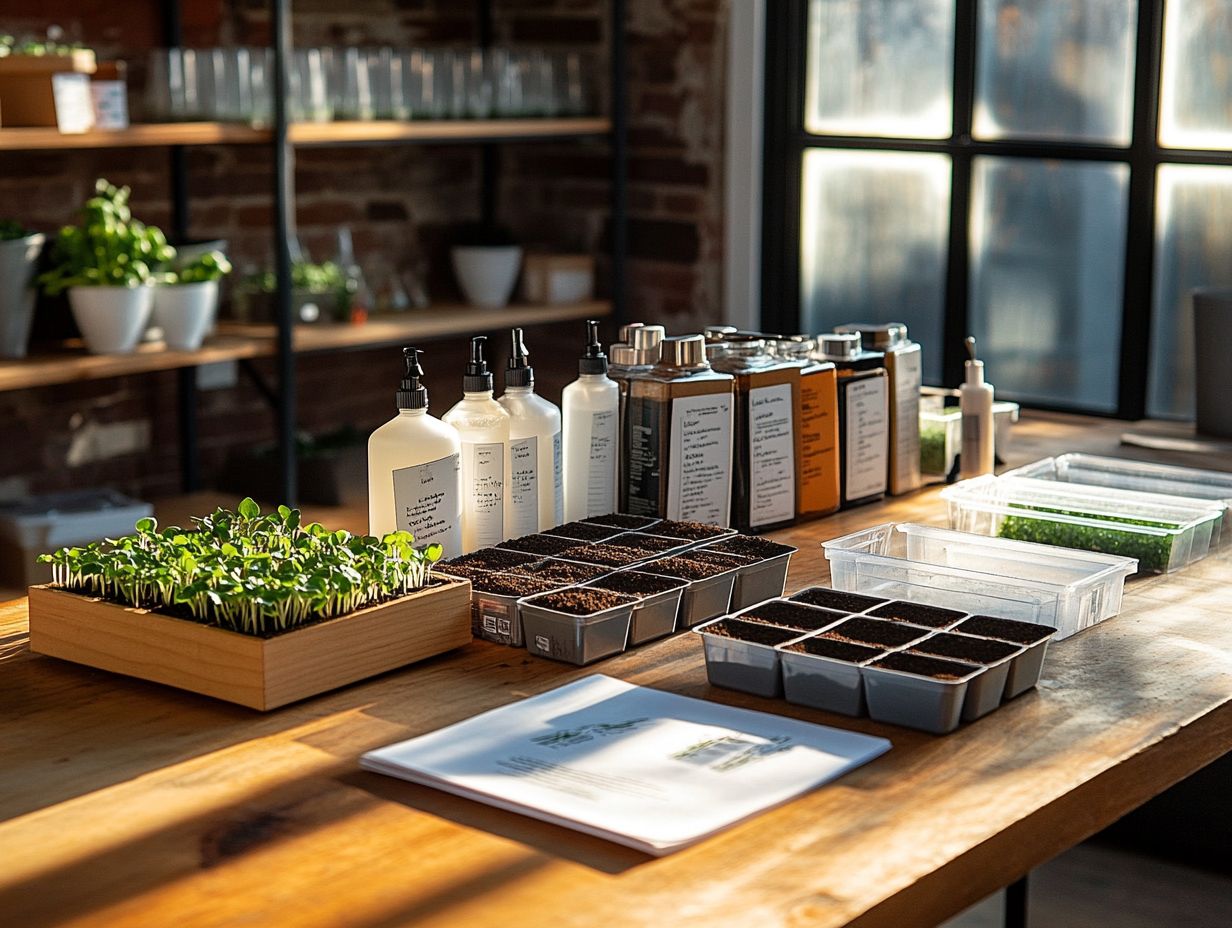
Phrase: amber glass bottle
x=817 y=468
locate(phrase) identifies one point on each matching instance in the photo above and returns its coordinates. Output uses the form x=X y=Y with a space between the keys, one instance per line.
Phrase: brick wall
x=401 y=202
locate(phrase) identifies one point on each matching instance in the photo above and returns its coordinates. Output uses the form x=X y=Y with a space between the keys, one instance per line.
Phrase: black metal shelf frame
x=786 y=141
x=284 y=396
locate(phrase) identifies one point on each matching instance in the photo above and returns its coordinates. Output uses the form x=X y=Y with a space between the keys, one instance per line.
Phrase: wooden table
x=128 y=804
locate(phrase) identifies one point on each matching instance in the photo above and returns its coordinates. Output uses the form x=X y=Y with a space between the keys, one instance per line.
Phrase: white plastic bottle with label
x=975 y=396
x=536 y=486
x=414 y=470
x=483 y=426
x=591 y=407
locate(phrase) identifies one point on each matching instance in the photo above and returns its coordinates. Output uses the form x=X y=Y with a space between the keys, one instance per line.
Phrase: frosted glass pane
x=1195 y=107
x=873 y=243
x=1193 y=248
x=1047 y=261
x=880 y=67
x=1055 y=69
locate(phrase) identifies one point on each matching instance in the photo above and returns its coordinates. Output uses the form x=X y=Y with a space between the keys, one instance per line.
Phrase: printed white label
x=907 y=380
x=699 y=482
x=523 y=487
x=558 y=484
x=428 y=505
x=772 y=455
x=867 y=436
x=601 y=483
x=485 y=488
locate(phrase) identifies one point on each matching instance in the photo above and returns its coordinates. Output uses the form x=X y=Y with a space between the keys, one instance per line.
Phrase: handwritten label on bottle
x=486 y=490
x=819 y=458
x=772 y=455
x=428 y=505
x=523 y=487
x=699 y=482
x=558 y=484
x=601 y=482
x=867 y=436
x=907 y=378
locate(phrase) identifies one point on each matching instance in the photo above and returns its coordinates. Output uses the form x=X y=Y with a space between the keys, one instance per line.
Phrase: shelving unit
x=284 y=340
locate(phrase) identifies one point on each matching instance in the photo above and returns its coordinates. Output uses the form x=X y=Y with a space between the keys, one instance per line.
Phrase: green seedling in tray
x=247 y=572
x=1152 y=551
x=932 y=450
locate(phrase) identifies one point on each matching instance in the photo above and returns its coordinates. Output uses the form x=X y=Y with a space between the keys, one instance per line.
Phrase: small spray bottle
x=975 y=402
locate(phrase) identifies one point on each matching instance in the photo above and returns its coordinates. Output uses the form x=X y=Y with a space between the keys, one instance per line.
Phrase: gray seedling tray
x=576 y=639
x=1026 y=667
x=823 y=682
x=760 y=580
x=741 y=665
x=496 y=618
x=914 y=701
x=985 y=692
x=704 y=599
x=654 y=616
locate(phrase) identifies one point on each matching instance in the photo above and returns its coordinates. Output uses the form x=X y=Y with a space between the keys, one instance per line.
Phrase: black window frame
x=786 y=140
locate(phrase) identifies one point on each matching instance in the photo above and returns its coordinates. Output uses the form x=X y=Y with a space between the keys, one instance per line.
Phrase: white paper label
x=907 y=380
x=428 y=505
x=867 y=436
x=485 y=490
x=601 y=483
x=699 y=482
x=523 y=487
x=74 y=104
x=772 y=455
x=558 y=484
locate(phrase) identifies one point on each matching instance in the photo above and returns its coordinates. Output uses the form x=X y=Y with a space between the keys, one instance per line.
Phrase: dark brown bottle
x=863 y=415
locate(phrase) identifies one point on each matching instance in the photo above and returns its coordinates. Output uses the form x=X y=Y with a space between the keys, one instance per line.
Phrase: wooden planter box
x=262 y=673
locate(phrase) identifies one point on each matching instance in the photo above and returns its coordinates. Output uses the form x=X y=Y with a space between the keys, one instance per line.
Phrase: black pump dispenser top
x=593 y=360
x=519 y=373
x=478 y=378
x=412 y=394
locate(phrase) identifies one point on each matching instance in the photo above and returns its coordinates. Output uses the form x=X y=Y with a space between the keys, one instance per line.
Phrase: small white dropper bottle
x=975 y=402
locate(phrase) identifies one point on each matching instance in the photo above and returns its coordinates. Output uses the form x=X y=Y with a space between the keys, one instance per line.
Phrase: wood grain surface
x=129 y=804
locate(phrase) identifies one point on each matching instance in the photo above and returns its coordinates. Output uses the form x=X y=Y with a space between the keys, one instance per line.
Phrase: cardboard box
x=48 y=90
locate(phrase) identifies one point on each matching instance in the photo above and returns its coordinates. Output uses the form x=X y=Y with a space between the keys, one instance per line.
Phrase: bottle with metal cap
x=591 y=408
x=677 y=445
x=904 y=368
x=764 y=446
x=483 y=425
x=414 y=469
x=817 y=467
x=536 y=487
x=863 y=417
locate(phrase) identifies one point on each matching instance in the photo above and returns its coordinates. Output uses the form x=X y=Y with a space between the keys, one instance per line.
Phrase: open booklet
x=648 y=769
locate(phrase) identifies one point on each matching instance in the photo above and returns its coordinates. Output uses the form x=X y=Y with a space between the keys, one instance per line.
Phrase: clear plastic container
x=1071 y=590
x=1164 y=533
x=941 y=433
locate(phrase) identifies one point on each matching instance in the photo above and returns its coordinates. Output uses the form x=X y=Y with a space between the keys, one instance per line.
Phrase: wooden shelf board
x=436 y=322
x=308 y=133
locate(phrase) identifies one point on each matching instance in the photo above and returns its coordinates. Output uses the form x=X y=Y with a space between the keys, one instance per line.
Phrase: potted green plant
x=19 y=254
x=318 y=293
x=486 y=261
x=107 y=264
x=186 y=300
x=258 y=609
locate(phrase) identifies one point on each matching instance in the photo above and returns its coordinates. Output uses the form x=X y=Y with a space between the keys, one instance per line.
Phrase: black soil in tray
x=466 y=573
x=917 y=614
x=687 y=568
x=755 y=632
x=543 y=545
x=875 y=631
x=923 y=666
x=490 y=559
x=967 y=648
x=565 y=572
x=749 y=546
x=511 y=585
x=636 y=583
x=583 y=531
x=689 y=531
x=791 y=615
x=835 y=599
x=651 y=543
x=582 y=600
x=622 y=520
x=603 y=553
x=838 y=650
x=989 y=626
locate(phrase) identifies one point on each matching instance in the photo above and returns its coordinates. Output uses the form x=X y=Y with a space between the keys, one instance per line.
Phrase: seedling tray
x=761 y=579
x=654 y=615
x=985 y=692
x=739 y=664
x=1069 y=590
x=576 y=639
x=826 y=681
x=915 y=701
x=1025 y=668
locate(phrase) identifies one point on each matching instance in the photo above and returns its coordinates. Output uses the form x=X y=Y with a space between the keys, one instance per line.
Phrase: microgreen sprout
x=258 y=574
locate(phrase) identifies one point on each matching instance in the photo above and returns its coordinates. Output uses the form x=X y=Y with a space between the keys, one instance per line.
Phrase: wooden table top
x=129 y=804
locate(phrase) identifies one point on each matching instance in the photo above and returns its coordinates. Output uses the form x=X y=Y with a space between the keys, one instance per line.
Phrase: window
x=1053 y=177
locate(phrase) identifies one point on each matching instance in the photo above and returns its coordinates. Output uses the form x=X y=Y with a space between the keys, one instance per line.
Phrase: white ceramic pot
x=185 y=313
x=18 y=260
x=487 y=274
x=111 y=319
